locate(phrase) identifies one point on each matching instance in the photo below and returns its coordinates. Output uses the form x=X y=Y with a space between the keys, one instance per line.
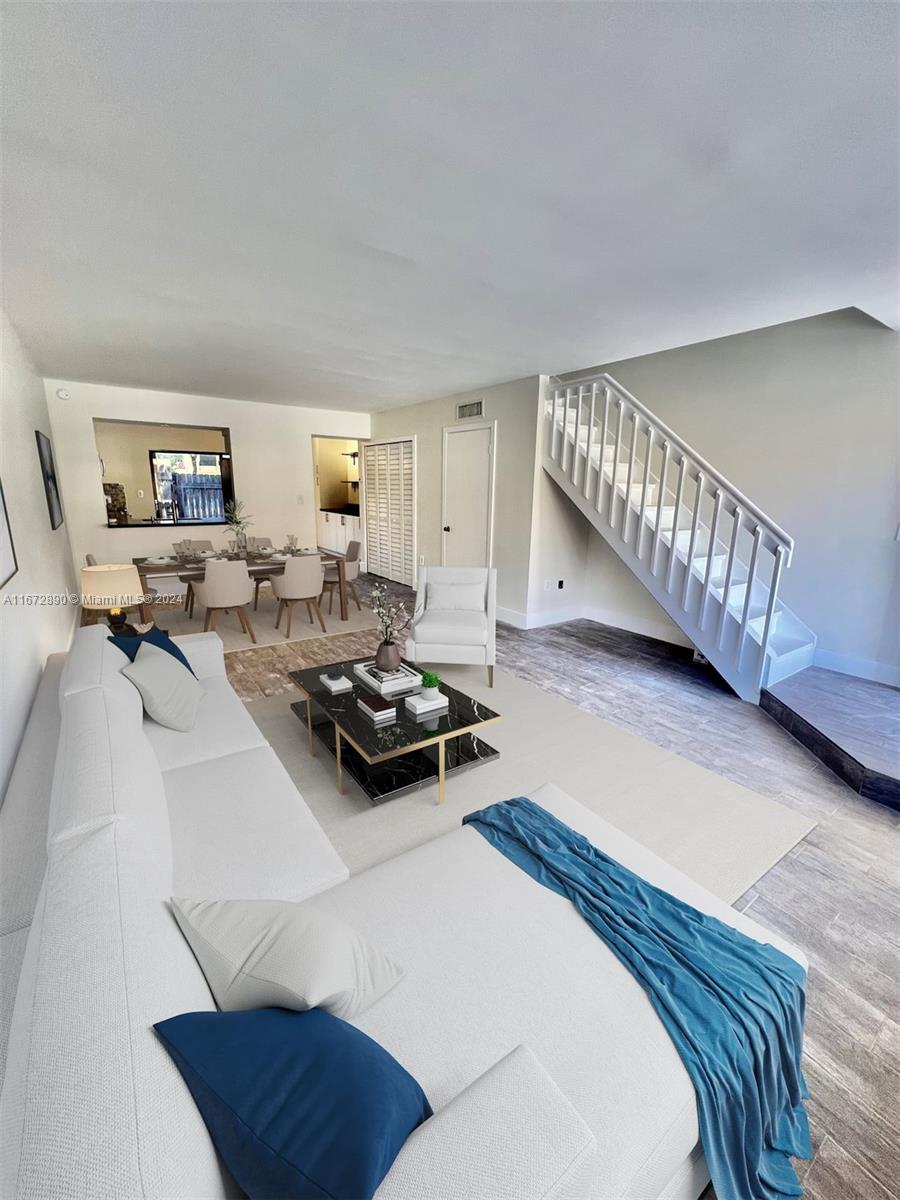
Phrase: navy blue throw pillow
x=156 y=637
x=300 y=1105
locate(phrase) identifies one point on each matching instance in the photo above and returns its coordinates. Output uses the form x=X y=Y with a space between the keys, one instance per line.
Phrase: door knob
x=446 y=529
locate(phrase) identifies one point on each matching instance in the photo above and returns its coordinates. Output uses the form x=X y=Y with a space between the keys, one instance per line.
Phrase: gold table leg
x=337 y=756
x=442 y=772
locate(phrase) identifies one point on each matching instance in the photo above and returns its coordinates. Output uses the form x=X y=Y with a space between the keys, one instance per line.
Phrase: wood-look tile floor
x=862 y=717
x=836 y=895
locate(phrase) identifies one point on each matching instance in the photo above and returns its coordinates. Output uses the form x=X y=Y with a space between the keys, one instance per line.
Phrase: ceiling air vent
x=475 y=408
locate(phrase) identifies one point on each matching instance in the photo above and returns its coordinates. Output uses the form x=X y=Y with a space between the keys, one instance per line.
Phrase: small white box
x=336 y=686
x=420 y=707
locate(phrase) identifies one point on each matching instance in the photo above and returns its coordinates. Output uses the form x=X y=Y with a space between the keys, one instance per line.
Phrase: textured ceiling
x=360 y=205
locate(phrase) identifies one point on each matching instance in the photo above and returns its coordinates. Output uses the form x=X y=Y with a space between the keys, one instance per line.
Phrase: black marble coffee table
x=387 y=760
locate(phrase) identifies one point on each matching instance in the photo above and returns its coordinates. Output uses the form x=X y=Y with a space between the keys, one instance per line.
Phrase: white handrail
x=709 y=471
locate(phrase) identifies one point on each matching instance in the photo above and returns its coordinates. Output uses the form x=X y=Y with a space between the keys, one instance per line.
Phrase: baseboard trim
x=862 y=668
x=540 y=618
x=661 y=631
x=512 y=616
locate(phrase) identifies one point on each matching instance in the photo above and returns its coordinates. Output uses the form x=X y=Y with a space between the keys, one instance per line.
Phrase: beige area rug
x=719 y=833
x=175 y=621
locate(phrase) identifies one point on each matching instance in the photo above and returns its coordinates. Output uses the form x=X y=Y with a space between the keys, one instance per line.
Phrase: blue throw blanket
x=732 y=1006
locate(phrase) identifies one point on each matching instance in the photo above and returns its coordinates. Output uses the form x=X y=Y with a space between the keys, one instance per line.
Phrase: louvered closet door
x=389 y=510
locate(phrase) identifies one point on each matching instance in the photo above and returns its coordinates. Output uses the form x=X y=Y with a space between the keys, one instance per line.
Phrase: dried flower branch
x=392 y=616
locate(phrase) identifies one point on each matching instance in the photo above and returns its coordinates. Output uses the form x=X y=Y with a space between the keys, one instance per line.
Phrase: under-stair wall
x=706 y=553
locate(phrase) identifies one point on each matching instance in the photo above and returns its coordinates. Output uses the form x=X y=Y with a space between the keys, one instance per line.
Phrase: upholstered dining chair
x=189 y=546
x=455 y=619
x=254 y=544
x=301 y=582
x=351 y=574
x=226 y=587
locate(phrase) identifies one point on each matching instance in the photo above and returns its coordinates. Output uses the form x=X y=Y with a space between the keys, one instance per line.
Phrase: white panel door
x=390 y=510
x=468 y=500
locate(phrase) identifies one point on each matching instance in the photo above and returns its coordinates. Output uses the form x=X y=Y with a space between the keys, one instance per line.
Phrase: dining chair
x=351 y=573
x=254 y=544
x=226 y=586
x=190 y=547
x=301 y=581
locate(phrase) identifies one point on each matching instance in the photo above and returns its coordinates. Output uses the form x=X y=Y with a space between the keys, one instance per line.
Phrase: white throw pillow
x=171 y=694
x=455 y=597
x=281 y=954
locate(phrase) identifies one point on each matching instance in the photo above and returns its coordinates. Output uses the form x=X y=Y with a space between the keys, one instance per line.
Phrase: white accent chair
x=454 y=622
x=300 y=583
x=226 y=586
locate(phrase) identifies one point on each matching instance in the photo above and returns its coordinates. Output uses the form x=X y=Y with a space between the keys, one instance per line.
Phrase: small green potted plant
x=431 y=685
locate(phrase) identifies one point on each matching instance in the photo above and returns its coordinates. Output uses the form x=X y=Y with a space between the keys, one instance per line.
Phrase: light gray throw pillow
x=170 y=692
x=455 y=597
x=281 y=954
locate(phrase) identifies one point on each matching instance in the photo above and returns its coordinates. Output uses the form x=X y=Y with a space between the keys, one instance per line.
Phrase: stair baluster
x=679 y=492
x=751 y=580
x=575 y=443
x=590 y=442
x=648 y=462
x=695 y=525
x=610 y=516
x=710 y=559
x=599 y=497
x=738 y=518
x=770 y=607
x=626 y=509
x=660 y=501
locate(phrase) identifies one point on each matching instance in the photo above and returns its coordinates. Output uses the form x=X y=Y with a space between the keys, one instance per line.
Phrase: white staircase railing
x=709 y=555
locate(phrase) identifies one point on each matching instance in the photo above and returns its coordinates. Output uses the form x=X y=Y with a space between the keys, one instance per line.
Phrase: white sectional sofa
x=549 y=1073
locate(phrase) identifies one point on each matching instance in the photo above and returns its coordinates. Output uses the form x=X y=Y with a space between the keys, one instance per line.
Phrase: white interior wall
x=271 y=451
x=558 y=552
x=515 y=408
x=28 y=633
x=802 y=418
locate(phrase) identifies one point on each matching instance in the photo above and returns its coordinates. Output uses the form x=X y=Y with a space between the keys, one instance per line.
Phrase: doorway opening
x=336 y=469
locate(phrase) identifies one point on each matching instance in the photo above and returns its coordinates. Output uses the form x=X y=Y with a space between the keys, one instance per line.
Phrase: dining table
x=188 y=567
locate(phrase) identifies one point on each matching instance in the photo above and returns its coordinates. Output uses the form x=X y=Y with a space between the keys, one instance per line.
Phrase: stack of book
x=422 y=707
x=379 y=709
x=388 y=683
